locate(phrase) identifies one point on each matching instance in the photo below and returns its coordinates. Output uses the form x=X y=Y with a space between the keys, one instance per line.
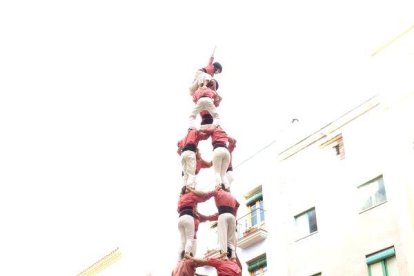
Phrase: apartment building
x=338 y=201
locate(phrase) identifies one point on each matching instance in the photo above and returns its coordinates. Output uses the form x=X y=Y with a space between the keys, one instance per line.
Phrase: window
x=257 y=266
x=372 y=193
x=306 y=223
x=382 y=263
x=257 y=213
x=254 y=202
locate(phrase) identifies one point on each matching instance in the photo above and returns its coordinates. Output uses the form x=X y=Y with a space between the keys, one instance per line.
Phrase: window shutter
x=253 y=199
x=384 y=254
x=259 y=263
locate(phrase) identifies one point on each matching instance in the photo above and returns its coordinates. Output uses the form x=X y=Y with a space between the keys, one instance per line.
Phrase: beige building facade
x=342 y=199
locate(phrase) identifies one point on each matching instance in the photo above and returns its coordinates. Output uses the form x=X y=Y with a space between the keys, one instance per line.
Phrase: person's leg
x=188 y=162
x=217 y=161
x=188 y=222
x=222 y=233
x=181 y=230
x=194 y=247
x=211 y=108
x=200 y=105
x=224 y=166
x=231 y=234
x=230 y=177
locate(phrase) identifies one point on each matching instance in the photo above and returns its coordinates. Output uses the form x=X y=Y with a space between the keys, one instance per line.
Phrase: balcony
x=212 y=253
x=251 y=228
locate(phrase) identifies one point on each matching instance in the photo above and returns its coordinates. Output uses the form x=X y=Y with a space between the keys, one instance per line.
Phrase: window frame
x=374 y=201
x=300 y=234
x=382 y=257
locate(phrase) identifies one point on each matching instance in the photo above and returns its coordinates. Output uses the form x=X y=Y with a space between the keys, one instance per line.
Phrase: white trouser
x=204 y=103
x=226 y=231
x=194 y=247
x=189 y=163
x=205 y=126
x=221 y=161
x=199 y=78
x=230 y=178
x=186 y=228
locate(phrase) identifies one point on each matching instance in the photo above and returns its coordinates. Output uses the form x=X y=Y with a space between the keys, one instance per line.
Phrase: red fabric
x=204 y=92
x=201 y=164
x=210 y=67
x=224 y=267
x=231 y=146
x=224 y=198
x=191 y=199
x=185 y=267
x=203 y=112
x=218 y=135
x=193 y=137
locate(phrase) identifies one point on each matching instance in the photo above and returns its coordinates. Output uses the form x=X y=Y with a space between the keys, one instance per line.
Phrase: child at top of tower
x=205 y=74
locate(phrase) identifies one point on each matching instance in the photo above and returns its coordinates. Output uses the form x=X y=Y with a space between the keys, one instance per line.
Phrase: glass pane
x=302 y=225
x=254 y=215
x=313 y=227
x=261 y=212
x=380 y=195
x=376 y=269
x=392 y=266
x=372 y=193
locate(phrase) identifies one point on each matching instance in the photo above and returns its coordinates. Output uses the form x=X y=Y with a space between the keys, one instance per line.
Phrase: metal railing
x=250 y=222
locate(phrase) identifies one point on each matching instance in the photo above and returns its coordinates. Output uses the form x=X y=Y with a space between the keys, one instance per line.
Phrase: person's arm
x=211 y=60
x=179 y=147
x=213 y=217
x=207 y=132
x=197 y=261
x=232 y=143
x=237 y=208
x=203 y=134
x=204 y=218
x=217 y=100
x=205 y=164
x=202 y=195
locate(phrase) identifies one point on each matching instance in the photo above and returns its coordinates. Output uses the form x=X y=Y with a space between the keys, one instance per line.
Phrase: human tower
x=206 y=102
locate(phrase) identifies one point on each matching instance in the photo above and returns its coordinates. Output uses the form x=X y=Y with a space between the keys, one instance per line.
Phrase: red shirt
x=191 y=199
x=224 y=198
x=185 y=267
x=224 y=267
x=210 y=67
x=218 y=135
x=204 y=112
x=193 y=137
x=204 y=92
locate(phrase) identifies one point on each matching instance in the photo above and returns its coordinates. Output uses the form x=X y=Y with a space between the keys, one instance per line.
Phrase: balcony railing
x=251 y=228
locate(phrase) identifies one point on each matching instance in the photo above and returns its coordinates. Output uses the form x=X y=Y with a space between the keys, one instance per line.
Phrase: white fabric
x=221 y=161
x=194 y=247
x=230 y=178
x=204 y=103
x=226 y=231
x=199 y=78
x=189 y=163
x=205 y=126
x=186 y=229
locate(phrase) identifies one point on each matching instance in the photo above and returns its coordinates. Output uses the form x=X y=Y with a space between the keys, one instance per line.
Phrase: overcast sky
x=94 y=97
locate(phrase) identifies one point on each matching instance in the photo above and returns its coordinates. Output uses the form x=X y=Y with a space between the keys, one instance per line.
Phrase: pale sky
x=94 y=97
